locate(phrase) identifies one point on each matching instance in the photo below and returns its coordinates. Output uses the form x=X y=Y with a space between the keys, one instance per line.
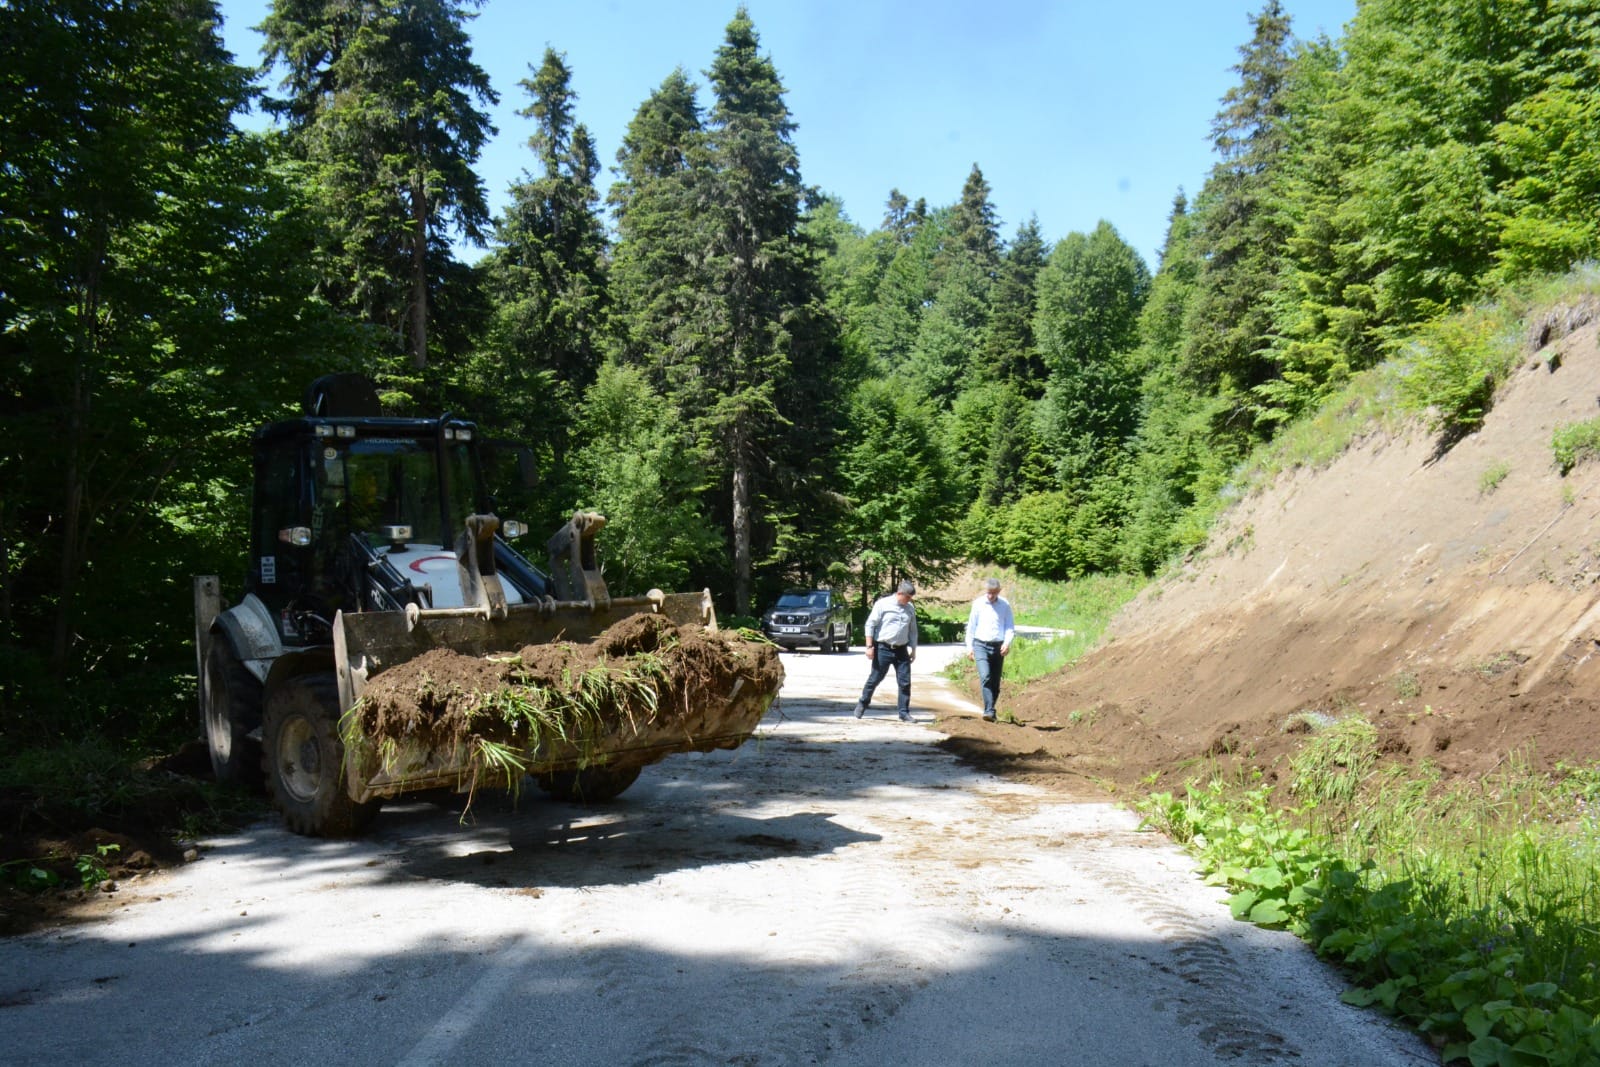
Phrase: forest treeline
x=757 y=389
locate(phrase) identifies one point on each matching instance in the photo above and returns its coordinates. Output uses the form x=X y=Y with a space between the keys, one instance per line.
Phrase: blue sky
x=1076 y=110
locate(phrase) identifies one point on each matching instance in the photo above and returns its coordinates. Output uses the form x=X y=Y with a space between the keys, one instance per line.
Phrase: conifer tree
x=655 y=279
x=385 y=104
x=1242 y=234
x=974 y=224
x=546 y=285
x=1090 y=296
x=1009 y=352
x=759 y=333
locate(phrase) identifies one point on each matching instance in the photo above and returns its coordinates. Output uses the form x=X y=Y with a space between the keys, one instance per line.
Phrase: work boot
x=861 y=709
x=988 y=716
x=905 y=716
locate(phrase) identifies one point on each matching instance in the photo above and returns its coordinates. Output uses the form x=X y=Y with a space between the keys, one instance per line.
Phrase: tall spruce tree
x=655 y=280
x=545 y=280
x=975 y=225
x=1091 y=294
x=1230 y=329
x=758 y=333
x=954 y=323
x=385 y=103
x=1009 y=352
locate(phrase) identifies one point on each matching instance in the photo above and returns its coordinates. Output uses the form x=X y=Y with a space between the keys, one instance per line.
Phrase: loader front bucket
x=368 y=643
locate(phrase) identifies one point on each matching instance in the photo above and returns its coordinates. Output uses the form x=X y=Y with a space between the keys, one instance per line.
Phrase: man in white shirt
x=891 y=641
x=990 y=631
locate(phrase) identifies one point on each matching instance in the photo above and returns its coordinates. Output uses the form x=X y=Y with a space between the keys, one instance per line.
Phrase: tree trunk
x=741 y=523
x=71 y=518
x=419 y=274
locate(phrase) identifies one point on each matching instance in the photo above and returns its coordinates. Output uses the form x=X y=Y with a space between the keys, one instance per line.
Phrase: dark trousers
x=884 y=656
x=986 y=654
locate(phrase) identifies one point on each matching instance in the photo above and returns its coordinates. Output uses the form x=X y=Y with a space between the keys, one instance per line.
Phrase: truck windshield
x=386 y=481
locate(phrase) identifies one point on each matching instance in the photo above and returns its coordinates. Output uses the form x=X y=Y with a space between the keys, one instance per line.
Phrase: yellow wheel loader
x=372 y=542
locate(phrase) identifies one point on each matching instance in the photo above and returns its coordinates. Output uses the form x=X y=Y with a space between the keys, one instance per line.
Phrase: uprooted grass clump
x=643 y=682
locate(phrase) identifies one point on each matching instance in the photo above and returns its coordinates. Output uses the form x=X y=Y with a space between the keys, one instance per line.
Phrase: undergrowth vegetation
x=50 y=796
x=1449 y=368
x=1444 y=372
x=1469 y=909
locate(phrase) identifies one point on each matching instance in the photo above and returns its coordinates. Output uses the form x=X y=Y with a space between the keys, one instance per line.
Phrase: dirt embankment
x=1447 y=594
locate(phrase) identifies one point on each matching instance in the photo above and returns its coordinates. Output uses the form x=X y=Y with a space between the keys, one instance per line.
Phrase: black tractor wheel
x=592 y=785
x=303 y=760
x=230 y=710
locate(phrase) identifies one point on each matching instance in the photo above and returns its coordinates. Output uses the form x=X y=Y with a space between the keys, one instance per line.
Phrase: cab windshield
x=392 y=481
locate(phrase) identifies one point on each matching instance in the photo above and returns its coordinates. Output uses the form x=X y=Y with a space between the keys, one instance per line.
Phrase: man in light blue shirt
x=990 y=631
x=891 y=641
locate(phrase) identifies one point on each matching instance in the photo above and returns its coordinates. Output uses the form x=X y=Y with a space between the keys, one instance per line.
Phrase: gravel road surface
x=836 y=891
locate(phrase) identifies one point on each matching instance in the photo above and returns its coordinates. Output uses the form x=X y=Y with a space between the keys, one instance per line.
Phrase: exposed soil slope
x=1463 y=620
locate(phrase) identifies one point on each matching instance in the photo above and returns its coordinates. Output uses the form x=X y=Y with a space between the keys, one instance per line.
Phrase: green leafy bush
x=1453 y=366
x=1575 y=442
x=1469 y=911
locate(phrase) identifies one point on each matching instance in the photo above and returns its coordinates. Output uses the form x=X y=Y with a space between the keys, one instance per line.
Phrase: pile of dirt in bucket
x=644 y=686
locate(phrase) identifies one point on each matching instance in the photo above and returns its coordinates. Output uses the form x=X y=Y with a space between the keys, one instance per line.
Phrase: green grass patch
x=1492 y=476
x=1081 y=609
x=1083 y=605
x=1365 y=403
x=1469 y=909
x=1574 y=443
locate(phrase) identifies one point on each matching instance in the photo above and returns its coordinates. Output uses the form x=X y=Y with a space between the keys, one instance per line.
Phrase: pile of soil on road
x=1446 y=591
x=643 y=675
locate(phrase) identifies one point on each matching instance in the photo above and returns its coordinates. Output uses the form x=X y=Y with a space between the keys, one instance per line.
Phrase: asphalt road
x=836 y=891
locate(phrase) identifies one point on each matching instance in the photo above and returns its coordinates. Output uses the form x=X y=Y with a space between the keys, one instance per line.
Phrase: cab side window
x=276 y=567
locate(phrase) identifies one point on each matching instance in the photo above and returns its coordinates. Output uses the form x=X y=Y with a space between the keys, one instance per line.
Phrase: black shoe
x=861 y=709
x=988 y=718
x=905 y=716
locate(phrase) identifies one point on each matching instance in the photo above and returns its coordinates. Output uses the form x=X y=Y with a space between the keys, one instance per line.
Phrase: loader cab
x=362 y=514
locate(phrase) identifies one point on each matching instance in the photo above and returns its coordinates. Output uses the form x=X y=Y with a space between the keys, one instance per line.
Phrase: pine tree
x=1091 y=294
x=384 y=102
x=655 y=279
x=974 y=224
x=546 y=283
x=1009 y=352
x=759 y=332
x=1230 y=328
